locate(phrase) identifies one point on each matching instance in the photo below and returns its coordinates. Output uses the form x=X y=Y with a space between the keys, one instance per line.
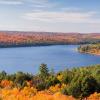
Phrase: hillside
x=75 y=84
x=91 y=49
x=14 y=38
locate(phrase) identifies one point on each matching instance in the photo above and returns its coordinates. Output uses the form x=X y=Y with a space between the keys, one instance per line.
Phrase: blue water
x=28 y=59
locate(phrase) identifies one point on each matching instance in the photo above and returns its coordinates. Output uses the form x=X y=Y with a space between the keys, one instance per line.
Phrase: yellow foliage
x=63 y=86
x=59 y=77
x=55 y=88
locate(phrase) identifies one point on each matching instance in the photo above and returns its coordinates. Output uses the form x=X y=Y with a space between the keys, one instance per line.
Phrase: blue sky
x=50 y=15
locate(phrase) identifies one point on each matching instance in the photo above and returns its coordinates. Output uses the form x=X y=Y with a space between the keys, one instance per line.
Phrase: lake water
x=28 y=59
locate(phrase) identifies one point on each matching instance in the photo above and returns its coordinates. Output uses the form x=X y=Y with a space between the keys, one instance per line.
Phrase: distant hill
x=17 y=38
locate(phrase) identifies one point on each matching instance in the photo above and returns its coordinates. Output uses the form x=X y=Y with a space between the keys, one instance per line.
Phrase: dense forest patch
x=90 y=48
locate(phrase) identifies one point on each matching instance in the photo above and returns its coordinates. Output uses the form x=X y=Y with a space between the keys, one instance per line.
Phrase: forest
x=90 y=48
x=22 y=39
x=80 y=83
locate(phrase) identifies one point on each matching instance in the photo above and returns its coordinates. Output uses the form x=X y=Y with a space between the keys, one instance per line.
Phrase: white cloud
x=44 y=15
x=38 y=1
x=15 y=2
x=10 y=2
x=70 y=9
x=43 y=4
x=70 y=17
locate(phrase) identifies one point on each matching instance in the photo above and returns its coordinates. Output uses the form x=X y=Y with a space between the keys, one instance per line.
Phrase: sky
x=50 y=15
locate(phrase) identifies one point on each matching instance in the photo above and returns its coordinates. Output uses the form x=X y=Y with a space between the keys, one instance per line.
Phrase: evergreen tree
x=43 y=71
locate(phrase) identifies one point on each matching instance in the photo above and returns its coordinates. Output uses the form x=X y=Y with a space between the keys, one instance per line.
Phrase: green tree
x=51 y=81
x=88 y=86
x=21 y=78
x=43 y=71
x=83 y=87
x=3 y=75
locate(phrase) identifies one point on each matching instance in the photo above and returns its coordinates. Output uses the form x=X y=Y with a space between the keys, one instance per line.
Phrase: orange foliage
x=95 y=96
x=6 y=83
x=30 y=93
x=56 y=96
x=34 y=37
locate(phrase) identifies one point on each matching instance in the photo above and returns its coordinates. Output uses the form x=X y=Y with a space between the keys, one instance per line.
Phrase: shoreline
x=94 y=54
x=97 y=54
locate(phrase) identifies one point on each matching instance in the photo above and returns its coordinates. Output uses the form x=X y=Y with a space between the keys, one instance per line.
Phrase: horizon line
x=50 y=32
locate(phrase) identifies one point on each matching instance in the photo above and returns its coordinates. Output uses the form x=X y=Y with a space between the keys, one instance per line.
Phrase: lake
x=59 y=57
